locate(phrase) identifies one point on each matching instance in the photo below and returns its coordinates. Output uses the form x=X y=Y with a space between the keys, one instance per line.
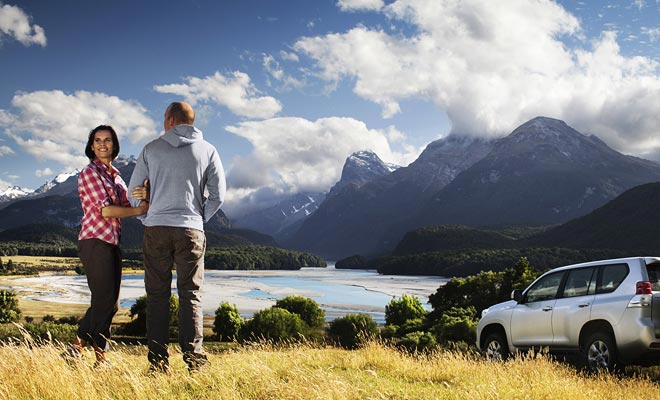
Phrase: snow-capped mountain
x=361 y=167
x=58 y=181
x=278 y=219
x=13 y=193
x=353 y=219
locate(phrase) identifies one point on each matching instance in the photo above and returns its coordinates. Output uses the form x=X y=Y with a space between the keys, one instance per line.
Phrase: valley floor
x=305 y=372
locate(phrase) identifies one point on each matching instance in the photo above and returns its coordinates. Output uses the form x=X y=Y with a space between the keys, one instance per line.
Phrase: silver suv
x=607 y=312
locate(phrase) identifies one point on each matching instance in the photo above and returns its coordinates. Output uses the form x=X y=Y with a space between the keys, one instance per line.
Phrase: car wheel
x=599 y=352
x=495 y=347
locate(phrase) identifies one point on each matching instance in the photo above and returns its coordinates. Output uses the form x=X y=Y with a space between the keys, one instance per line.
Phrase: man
x=187 y=186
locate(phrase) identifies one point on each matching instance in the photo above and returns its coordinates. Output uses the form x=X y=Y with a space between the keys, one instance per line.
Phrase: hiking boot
x=71 y=355
x=195 y=361
x=102 y=364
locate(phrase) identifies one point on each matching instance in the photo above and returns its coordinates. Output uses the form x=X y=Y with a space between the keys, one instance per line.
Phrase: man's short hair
x=181 y=113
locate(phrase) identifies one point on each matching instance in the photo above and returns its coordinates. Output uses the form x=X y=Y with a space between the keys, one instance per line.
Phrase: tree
x=228 y=322
x=353 y=329
x=307 y=309
x=397 y=312
x=9 y=311
x=276 y=324
x=9 y=267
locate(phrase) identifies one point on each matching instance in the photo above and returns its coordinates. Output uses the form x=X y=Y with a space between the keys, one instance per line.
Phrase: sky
x=287 y=89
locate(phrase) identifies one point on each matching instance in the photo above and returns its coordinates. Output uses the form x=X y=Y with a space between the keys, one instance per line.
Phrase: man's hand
x=141 y=192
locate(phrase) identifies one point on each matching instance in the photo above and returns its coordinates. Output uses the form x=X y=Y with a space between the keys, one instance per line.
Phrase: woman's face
x=102 y=146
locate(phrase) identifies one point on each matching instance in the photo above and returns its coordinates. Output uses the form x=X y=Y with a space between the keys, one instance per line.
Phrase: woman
x=104 y=201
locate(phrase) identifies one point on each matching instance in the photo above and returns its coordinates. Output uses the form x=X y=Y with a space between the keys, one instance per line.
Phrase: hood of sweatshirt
x=182 y=135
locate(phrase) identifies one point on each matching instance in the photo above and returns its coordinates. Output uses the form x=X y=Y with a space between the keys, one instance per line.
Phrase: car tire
x=599 y=353
x=495 y=347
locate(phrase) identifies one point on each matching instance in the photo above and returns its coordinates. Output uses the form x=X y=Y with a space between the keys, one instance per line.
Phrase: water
x=338 y=292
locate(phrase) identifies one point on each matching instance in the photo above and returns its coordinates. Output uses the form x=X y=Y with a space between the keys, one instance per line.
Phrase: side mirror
x=516 y=295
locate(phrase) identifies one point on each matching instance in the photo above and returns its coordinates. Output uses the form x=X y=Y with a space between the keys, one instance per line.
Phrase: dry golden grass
x=306 y=372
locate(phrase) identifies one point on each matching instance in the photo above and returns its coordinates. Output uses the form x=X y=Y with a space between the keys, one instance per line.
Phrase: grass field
x=306 y=372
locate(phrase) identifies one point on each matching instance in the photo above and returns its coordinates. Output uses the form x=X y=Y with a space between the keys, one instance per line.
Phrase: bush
x=39 y=333
x=353 y=329
x=138 y=314
x=9 y=311
x=456 y=325
x=47 y=331
x=228 y=322
x=307 y=309
x=397 y=312
x=275 y=324
x=418 y=341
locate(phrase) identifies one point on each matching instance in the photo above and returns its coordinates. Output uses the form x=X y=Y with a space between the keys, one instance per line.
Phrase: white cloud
x=286 y=82
x=492 y=65
x=14 y=22
x=355 y=5
x=653 y=33
x=4 y=150
x=639 y=4
x=293 y=155
x=289 y=56
x=235 y=91
x=53 y=125
x=44 y=172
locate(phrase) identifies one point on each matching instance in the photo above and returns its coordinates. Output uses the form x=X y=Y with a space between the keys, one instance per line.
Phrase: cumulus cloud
x=44 y=172
x=493 y=65
x=4 y=150
x=54 y=125
x=292 y=155
x=355 y=5
x=15 y=23
x=234 y=91
x=285 y=82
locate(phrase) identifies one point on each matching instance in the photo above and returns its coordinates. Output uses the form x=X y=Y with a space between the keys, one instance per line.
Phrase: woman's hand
x=143 y=207
x=141 y=192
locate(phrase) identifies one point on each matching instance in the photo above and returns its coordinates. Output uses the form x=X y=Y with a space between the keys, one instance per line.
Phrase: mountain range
x=543 y=173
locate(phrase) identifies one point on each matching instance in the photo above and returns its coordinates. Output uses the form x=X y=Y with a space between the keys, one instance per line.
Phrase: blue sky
x=286 y=90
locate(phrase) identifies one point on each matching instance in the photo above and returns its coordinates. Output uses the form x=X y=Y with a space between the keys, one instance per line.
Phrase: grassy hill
x=304 y=372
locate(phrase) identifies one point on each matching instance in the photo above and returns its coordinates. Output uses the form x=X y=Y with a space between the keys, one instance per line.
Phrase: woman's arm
x=113 y=211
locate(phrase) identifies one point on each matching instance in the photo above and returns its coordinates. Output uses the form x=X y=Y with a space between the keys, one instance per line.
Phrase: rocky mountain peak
x=361 y=167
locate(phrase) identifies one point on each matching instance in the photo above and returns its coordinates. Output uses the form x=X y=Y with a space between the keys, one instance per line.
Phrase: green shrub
x=307 y=309
x=456 y=325
x=9 y=311
x=47 y=331
x=418 y=341
x=138 y=313
x=39 y=332
x=275 y=324
x=228 y=322
x=397 y=312
x=352 y=330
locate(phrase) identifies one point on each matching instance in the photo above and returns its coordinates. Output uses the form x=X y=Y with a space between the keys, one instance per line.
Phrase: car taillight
x=643 y=288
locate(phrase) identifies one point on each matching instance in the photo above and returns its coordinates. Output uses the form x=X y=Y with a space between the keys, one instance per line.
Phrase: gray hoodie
x=186 y=179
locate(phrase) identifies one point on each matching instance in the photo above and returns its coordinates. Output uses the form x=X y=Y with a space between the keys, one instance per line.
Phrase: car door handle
x=547 y=308
x=583 y=305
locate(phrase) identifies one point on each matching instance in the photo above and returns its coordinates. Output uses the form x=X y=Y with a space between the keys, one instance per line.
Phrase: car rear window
x=654 y=276
x=611 y=277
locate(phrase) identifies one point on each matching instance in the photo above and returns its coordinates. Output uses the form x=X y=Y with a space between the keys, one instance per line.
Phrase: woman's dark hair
x=115 y=141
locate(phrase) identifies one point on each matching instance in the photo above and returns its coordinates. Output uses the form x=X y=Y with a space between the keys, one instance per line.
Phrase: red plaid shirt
x=100 y=186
